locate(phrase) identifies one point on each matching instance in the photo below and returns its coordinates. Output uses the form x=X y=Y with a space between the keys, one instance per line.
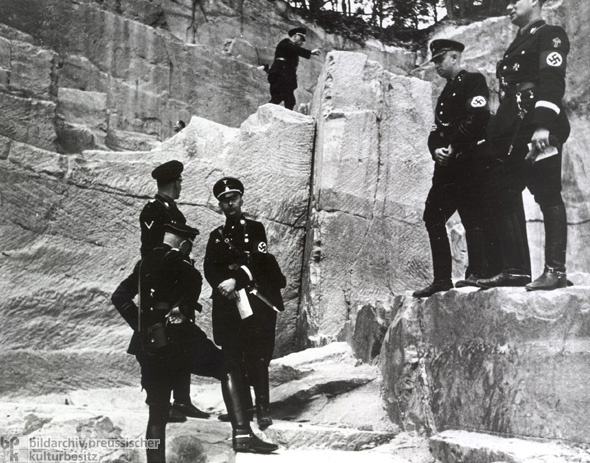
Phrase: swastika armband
x=554 y=59
x=479 y=101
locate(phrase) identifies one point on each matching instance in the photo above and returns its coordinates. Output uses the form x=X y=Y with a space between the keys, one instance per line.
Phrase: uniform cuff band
x=247 y=270
x=548 y=105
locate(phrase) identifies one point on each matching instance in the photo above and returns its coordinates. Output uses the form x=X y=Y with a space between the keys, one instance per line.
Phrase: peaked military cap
x=440 y=46
x=297 y=30
x=170 y=170
x=227 y=185
x=184 y=231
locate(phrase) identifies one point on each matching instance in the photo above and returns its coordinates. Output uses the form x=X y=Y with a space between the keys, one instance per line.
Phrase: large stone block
x=32 y=71
x=28 y=120
x=502 y=361
x=457 y=446
x=372 y=172
x=83 y=107
x=406 y=386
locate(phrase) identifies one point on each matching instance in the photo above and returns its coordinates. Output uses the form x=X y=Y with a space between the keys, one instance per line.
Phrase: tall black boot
x=555 y=220
x=183 y=405
x=476 y=251
x=244 y=440
x=554 y=275
x=442 y=262
x=513 y=252
x=258 y=374
x=156 y=430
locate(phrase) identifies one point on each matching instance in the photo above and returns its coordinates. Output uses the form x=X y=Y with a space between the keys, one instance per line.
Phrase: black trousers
x=191 y=352
x=248 y=352
x=283 y=83
x=504 y=186
x=459 y=189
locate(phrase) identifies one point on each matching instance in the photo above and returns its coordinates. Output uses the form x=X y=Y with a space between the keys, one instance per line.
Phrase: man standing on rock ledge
x=458 y=147
x=528 y=134
x=282 y=75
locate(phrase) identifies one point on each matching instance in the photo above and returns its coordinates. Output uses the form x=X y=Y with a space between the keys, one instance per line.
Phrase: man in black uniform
x=458 y=147
x=282 y=75
x=162 y=209
x=246 y=282
x=166 y=341
x=529 y=131
x=155 y=215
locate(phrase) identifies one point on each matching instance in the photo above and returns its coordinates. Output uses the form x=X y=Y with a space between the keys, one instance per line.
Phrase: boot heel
x=263 y=418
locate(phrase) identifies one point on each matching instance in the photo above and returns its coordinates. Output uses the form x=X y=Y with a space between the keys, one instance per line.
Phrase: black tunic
x=537 y=57
x=238 y=250
x=283 y=72
x=461 y=117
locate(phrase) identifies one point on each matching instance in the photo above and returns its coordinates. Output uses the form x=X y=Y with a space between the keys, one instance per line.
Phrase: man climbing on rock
x=282 y=75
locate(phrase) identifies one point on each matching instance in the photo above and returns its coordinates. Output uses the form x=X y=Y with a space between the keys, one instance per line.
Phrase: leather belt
x=520 y=86
x=162 y=306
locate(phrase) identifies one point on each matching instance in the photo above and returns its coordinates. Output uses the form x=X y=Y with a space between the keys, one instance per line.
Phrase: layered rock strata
x=133 y=68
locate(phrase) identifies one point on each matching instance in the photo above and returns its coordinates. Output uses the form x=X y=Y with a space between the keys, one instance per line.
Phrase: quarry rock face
x=70 y=234
x=503 y=361
x=366 y=239
x=139 y=66
x=341 y=194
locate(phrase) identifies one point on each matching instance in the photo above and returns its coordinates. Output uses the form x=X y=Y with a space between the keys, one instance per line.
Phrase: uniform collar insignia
x=167 y=200
x=536 y=26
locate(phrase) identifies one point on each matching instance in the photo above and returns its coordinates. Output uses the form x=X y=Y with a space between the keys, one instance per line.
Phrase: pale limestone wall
x=372 y=171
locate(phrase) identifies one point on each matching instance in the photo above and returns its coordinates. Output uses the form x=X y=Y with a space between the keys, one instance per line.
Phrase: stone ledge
x=471 y=447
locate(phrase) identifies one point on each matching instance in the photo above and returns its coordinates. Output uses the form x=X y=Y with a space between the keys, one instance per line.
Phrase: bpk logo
x=8 y=444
